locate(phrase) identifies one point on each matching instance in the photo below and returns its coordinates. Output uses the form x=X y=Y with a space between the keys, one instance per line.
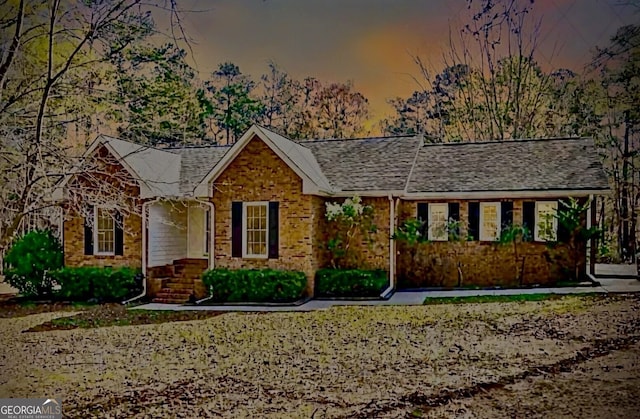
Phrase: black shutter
x=119 y=234
x=563 y=234
x=88 y=231
x=474 y=220
x=423 y=215
x=236 y=229
x=506 y=213
x=529 y=218
x=454 y=216
x=274 y=230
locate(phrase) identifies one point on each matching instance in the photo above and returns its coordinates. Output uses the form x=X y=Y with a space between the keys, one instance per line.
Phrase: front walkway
x=410 y=298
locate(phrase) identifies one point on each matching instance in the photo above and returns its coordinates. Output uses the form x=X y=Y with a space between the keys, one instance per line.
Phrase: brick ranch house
x=261 y=203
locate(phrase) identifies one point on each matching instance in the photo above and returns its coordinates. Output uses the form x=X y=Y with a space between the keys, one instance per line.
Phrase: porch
x=177 y=249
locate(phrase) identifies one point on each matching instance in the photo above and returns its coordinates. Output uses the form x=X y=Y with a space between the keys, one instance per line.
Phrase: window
x=207 y=231
x=105 y=232
x=489 y=221
x=438 y=216
x=546 y=223
x=256 y=227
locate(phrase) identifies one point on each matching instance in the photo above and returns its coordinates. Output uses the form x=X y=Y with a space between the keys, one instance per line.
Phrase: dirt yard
x=573 y=357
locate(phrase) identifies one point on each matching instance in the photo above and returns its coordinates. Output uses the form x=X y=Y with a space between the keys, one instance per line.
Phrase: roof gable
x=297 y=157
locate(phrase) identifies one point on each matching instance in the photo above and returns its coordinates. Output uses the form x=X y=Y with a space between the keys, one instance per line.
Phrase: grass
x=495 y=298
x=107 y=315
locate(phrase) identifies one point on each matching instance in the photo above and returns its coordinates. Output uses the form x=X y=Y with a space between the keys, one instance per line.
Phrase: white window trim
x=481 y=234
x=536 y=230
x=431 y=223
x=245 y=254
x=95 y=233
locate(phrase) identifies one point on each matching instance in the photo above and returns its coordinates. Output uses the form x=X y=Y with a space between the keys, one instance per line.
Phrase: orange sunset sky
x=372 y=41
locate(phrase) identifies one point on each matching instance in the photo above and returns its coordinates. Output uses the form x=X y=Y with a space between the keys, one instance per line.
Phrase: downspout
x=144 y=251
x=212 y=240
x=590 y=274
x=386 y=294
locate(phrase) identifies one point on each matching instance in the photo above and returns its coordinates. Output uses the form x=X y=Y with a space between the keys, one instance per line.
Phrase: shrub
x=250 y=285
x=350 y=282
x=29 y=259
x=102 y=284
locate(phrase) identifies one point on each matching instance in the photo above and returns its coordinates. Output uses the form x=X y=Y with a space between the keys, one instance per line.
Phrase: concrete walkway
x=410 y=298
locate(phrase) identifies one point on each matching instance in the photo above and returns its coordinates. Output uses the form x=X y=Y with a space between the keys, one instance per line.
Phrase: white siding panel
x=167 y=233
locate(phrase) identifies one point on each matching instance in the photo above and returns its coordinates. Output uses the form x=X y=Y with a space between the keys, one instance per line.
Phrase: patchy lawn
x=118 y=315
x=499 y=359
x=10 y=308
x=475 y=299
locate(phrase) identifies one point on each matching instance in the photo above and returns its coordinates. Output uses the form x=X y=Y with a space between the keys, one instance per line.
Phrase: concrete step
x=178 y=291
x=179 y=280
x=179 y=285
x=163 y=300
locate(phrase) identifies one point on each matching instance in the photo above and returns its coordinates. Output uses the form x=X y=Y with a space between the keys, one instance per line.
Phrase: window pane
x=105 y=231
x=256 y=230
x=438 y=221
x=546 y=224
x=489 y=222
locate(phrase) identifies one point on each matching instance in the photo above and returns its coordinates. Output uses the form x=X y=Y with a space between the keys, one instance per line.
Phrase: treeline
x=159 y=100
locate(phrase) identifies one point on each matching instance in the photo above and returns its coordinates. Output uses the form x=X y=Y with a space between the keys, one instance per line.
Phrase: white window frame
x=245 y=253
x=481 y=234
x=96 y=252
x=538 y=219
x=430 y=233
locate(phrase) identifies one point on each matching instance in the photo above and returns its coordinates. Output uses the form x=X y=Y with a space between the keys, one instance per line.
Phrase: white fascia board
x=558 y=193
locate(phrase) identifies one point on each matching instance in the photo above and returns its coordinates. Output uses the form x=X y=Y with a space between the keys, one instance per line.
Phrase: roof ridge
x=380 y=137
x=514 y=140
x=415 y=161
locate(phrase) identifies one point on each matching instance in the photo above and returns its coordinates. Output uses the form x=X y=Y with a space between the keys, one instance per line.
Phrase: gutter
x=386 y=294
x=144 y=251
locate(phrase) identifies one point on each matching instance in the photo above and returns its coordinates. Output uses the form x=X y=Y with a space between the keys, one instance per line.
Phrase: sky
x=374 y=42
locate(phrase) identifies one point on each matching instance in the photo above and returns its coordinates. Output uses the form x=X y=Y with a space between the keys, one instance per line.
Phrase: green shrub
x=102 y=284
x=28 y=261
x=350 y=282
x=250 y=285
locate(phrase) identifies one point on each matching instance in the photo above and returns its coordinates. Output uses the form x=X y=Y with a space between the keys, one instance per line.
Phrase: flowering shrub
x=349 y=218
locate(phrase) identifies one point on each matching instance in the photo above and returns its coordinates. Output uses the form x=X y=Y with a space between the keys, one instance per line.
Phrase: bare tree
x=45 y=90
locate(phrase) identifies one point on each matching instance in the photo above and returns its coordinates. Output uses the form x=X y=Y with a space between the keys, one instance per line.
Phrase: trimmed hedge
x=350 y=282
x=252 y=285
x=102 y=284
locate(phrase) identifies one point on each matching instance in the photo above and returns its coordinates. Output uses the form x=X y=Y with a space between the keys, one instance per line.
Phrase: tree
x=54 y=60
x=159 y=102
x=618 y=72
x=341 y=111
x=232 y=106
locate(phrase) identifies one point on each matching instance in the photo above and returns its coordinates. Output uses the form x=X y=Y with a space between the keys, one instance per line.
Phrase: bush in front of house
x=350 y=282
x=28 y=261
x=101 y=284
x=254 y=285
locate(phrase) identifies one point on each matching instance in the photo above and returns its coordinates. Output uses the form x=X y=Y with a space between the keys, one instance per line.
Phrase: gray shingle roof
x=385 y=164
x=195 y=163
x=368 y=164
x=516 y=165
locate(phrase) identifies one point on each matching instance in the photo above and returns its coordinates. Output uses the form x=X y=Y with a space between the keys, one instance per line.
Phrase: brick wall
x=450 y=264
x=123 y=188
x=74 y=243
x=367 y=254
x=258 y=174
